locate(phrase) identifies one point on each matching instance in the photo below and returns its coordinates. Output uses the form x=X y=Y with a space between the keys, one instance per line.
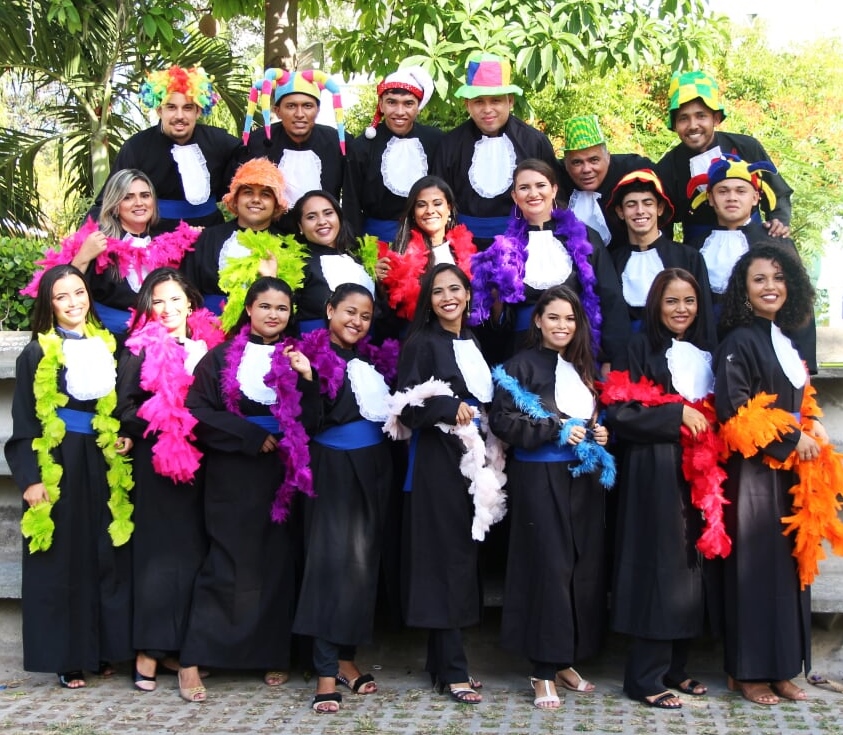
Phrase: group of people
x=215 y=421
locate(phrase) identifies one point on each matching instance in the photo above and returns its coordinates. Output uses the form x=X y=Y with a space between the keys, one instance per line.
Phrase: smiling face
x=449 y=300
x=399 y=110
x=533 y=194
x=588 y=167
x=269 y=315
x=255 y=206
x=678 y=307
x=297 y=113
x=431 y=212
x=178 y=117
x=489 y=112
x=320 y=222
x=558 y=325
x=766 y=287
x=136 y=208
x=71 y=303
x=733 y=201
x=349 y=322
x=171 y=307
x=640 y=211
x=694 y=123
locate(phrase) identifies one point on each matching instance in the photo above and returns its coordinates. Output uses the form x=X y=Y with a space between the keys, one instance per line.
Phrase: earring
x=747 y=304
x=518 y=214
x=554 y=204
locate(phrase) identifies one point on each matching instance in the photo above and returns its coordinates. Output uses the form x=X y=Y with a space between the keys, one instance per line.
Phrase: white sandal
x=583 y=685
x=547 y=700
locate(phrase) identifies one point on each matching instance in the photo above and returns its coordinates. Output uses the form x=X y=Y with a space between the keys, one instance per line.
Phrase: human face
x=136 y=208
x=587 y=168
x=269 y=315
x=558 y=325
x=694 y=123
x=766 y=287
x=449 y=300
x=178 y=117
x=256 y=206
x=351 y=319
x=640 y=210
x=679 y=307
x=320 y=222
x=431 y=212
x=399 y=111
x=70 y=303
x=297 y=113
x=171 y=307
x=533 y=194
x=733 y=201
x=489 y=112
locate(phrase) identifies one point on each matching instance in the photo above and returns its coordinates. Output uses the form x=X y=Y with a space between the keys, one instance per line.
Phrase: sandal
x=170 y=665
x=688 y=686
x=72 y=680
x=362 y=684
x=818 y=680
x=665 y=700
x=276 y=678
x=546 y=700
x=144 y=683
x=463 y=694
x=788 y=690
x=326 y=704
x=583 y=686
x=105 y=669
x=756 y=692
x=192 y=694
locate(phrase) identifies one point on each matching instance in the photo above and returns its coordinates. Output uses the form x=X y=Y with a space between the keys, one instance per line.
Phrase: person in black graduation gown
x=243 y=598
x=554 y=604
x=639 y=203
x=767 y=617
x=76 y=602
x=169 y=545
x=658 y=592
x=344 y=523
x=189 y=164
x=441 y=581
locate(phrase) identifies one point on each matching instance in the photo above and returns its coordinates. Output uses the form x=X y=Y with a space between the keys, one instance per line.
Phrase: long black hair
x=262 y=285
x=143 y=307
x=407 y=220
x=43 y=317
x=345 y=237
x=657 y=333
x=424 y=315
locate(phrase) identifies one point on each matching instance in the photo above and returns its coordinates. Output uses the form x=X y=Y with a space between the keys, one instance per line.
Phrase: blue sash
x=635 y=325
x=213 y=302
x=523 y=312
x=311 y=325
x=546 y=453
x=354 y=435
x=484 y=226
x=114 y=320
x=182 y=209
x=78 y=422
x=270 y=423
x=383 y=229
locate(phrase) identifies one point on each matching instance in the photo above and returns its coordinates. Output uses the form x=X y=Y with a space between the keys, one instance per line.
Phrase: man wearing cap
x=639 y=204
x=695 y=110
x=733 y=189
x=189 y=165
x=309 y=155
x=590 y=174
x=394 y=153
x=477 y=158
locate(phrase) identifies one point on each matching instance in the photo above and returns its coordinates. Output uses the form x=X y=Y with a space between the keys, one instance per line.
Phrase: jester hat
x=193 y=83
x=692 y=85
x=731 y=166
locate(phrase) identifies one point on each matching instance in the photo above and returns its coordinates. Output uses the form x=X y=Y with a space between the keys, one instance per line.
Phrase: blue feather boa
x=591 y=455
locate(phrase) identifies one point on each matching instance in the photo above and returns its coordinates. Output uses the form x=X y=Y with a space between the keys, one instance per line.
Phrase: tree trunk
x=280 y=33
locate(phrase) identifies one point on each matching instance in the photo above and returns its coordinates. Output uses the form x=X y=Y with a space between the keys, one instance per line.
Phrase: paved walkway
x=405 y=705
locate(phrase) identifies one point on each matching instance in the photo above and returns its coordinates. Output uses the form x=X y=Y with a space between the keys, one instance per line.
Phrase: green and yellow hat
x=692 y=85
x=583 y=132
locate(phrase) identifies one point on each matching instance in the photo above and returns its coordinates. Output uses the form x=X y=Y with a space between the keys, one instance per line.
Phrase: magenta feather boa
x=501 y=269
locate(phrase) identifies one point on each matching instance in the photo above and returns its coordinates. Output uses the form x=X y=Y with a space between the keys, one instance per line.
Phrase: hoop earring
x=554 y=203
x=518 y=214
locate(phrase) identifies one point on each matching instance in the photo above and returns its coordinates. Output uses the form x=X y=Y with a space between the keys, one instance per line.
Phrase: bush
x=17 y=263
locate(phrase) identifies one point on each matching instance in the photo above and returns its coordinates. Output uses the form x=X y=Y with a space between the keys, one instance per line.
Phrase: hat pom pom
x=371 y=132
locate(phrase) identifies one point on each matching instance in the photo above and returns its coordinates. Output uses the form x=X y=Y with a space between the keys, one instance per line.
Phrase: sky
x=788 y=21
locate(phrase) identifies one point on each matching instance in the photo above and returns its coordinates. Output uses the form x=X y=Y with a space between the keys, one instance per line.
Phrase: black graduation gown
x=323 y=141
x=674 y=170
x=672 y=255
x=169 y=539
x=440 y=574
x=767 y=619
x=363 y=191
x=244 y=598
x=620 y=164
x=314 y=293
x=151 y=152
x=76 y=601
x=658 y=578
x=554 y=601
x=343 y=530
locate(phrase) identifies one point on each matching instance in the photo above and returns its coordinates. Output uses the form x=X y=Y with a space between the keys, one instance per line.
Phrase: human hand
x=123 y=444
x=35 y=494
x=299 y=362
x=777 y=228
x=694 y=420
x=382 y=268
x=465 y=414
x=807 y=448
x=270 y=444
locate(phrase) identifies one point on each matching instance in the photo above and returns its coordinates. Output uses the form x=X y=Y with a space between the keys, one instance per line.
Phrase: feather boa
x=700 y=455
x=591 y=455
x=166 y=249
x=500 y=269
x=240 y=273
x=293 y=444
x=163 y=375
x=816 y=497
x=37 y=524
x=403 y=281
x=482 y=463
x=368 y=251
x=384 y=357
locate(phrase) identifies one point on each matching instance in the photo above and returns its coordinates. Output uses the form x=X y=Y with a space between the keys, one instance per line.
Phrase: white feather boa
x=482 y=461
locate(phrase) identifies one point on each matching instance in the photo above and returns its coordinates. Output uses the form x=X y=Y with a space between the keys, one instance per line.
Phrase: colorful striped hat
x=276 y=83
x=692 y=85
x=731 y=166
x=583 y=132
x=487 y=75
x=193 y=83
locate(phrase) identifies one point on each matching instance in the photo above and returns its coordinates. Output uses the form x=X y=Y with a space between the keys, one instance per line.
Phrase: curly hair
x=798 y=305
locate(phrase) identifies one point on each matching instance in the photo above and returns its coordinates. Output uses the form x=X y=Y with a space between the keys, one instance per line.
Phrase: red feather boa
x=700 y=455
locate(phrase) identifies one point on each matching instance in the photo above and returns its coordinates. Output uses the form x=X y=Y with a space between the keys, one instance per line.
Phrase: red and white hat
x=412 y=79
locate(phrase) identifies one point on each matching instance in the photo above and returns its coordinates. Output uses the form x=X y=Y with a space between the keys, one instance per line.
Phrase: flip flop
x=818 y=680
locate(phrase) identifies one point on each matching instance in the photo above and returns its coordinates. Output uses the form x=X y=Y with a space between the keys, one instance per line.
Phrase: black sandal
x=661 y=701
x=318 y=699
x=67 y=677
x=689 y=688
x=357 y=683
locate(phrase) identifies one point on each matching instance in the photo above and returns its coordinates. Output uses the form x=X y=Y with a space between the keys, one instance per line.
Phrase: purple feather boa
x=501 y=269
x=293 y=444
